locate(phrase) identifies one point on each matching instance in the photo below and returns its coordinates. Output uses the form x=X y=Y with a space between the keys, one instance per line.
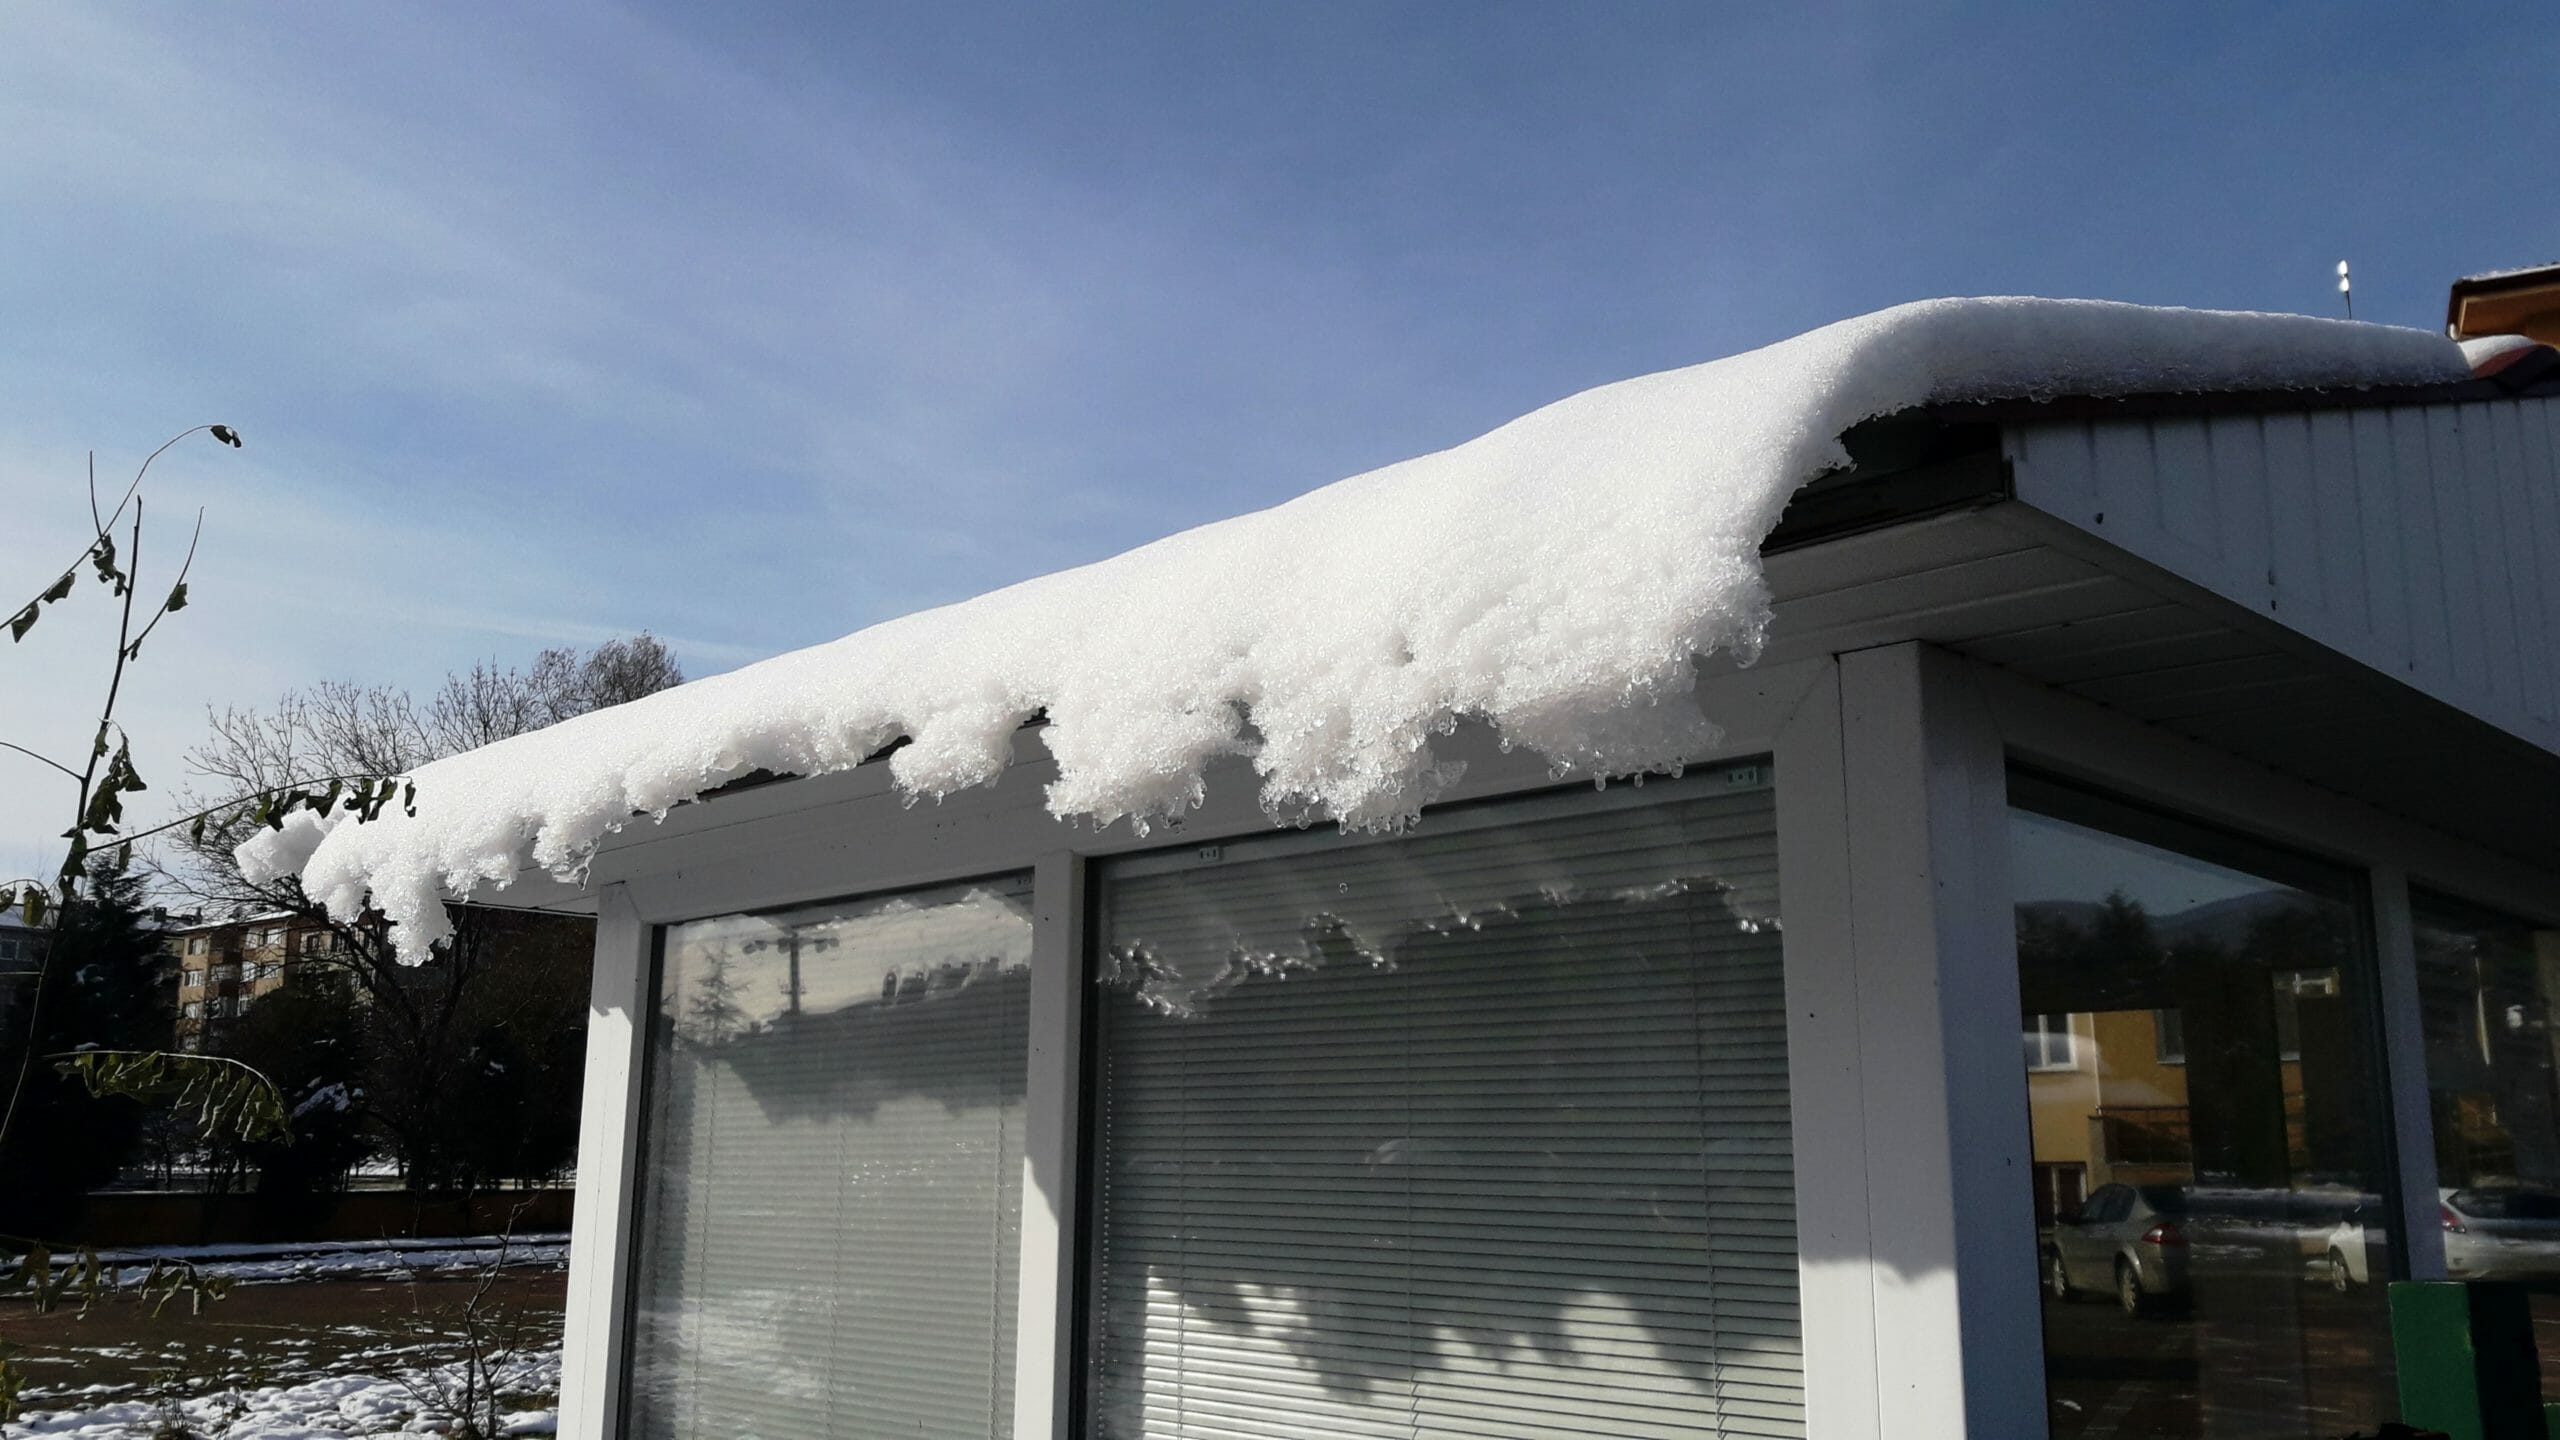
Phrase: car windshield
x=2508 y=1204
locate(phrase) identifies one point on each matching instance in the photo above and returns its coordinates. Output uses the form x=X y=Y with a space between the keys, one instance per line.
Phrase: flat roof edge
x=2539 y=382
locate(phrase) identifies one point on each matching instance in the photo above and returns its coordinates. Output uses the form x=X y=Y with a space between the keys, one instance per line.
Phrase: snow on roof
x=1553 y=578
x=189 y=924
x=2512 y=272
x=2489 y=354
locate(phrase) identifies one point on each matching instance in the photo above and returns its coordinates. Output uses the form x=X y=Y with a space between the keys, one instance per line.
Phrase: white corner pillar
x=609 y=1126
x=1908 y=1054
x=1826 y=1084
x=1044 y=1348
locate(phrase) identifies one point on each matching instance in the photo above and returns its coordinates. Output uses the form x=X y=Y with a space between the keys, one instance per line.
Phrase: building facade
x=225 y=966
x=2112 y=925
x=22 y=948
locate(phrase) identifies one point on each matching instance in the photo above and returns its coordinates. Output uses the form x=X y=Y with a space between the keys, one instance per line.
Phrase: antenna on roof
x=2346 y=291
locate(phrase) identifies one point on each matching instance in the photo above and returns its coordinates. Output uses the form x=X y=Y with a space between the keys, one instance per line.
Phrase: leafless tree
x=425 y=1016
x=498 y=1350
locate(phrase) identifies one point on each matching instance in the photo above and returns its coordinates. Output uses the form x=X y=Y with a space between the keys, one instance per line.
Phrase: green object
x=2466 y=1359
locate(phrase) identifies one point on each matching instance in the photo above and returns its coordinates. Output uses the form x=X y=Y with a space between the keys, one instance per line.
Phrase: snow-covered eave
x=1553 y=579
x=2490 y=382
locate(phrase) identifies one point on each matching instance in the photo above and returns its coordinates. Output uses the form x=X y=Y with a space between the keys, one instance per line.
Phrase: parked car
x=2129 y=1241
x=2491 y=1232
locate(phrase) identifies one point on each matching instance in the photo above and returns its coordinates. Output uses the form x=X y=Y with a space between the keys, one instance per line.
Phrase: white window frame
x=2067 y=1032
x=1891 y=775
x=850 y=834
x=2139 y=763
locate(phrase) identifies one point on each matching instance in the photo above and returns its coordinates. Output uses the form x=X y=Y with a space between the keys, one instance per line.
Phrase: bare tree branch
x=46 y=759
x=177 y=596
x=97 y=807
x=427 y=1017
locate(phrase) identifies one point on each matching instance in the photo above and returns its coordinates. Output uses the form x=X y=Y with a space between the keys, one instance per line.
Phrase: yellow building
x=2107 y=1096
x=2107 y=1101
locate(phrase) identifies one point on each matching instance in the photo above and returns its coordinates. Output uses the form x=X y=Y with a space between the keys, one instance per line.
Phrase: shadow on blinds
x=1468 y=1149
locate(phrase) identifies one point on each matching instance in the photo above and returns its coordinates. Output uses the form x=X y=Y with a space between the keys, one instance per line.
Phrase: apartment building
x=21 y=952
x=224 y=965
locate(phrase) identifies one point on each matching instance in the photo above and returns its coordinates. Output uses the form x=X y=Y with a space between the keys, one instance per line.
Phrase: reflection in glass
x=2485 y=986
x=831 y=1187
x=1480 y=1132
x=2208 y=1174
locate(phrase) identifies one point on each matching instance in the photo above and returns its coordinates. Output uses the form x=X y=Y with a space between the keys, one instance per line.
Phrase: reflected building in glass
x=2208 y=1127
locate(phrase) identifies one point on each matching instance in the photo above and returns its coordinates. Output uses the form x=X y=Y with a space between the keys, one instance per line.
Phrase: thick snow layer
x=2490 y=347
x=1553 y=578
x=2488 y=354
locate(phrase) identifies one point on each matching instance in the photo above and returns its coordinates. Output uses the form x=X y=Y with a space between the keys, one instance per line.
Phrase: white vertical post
x=2404 y=1047
x=1044 y=1354
x=609 y=1125
x=1826 y=1098
x=1952 y=1226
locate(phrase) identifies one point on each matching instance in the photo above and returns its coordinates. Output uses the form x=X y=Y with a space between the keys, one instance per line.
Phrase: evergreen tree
x=309 y=1038
x=712 y=1015
x=108 y=986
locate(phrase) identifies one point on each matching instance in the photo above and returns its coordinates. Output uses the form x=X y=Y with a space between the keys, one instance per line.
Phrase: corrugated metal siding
x=2423 y=541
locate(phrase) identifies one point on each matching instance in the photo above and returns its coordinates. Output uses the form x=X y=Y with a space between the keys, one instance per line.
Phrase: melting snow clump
x=1553 y=579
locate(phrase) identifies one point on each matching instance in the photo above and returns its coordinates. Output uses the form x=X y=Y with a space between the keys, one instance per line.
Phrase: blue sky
x=756 y=323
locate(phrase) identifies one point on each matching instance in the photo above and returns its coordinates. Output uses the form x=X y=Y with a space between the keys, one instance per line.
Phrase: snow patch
x=252 y=1264
x=1554 y=579
x=2481 y=349
x=335 y=1407
x=271 y=855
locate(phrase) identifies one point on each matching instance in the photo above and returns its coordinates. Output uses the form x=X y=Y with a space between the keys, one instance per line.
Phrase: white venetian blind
x=831 y=1190
x=1479 y=1133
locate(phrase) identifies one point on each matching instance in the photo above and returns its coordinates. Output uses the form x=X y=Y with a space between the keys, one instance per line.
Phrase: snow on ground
x=396 y=1401
x=311 y=1260
x=1553 y=578
x=332 y=1355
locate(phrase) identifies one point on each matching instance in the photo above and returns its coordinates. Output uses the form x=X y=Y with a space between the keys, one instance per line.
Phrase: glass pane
x=831 y=1186
x=2485 y=984
x=2224 y=1277
x=1482 y=1132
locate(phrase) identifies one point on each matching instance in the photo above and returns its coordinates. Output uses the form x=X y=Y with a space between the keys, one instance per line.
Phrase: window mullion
x=2404 y=1044
x=1051 y=1160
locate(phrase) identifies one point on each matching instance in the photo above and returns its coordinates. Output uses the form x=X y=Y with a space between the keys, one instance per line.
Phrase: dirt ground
x=268 y=1334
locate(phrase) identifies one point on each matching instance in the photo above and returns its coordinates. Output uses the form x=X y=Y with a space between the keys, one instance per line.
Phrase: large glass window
x=2486 y=983
x=832 y=1172
x=1481 y=1132
x=2212 y=1220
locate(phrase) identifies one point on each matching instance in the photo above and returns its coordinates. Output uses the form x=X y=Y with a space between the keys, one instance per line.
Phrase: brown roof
x=2522 y=301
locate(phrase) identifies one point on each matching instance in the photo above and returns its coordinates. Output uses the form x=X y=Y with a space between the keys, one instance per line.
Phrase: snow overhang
x=1555 y=580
